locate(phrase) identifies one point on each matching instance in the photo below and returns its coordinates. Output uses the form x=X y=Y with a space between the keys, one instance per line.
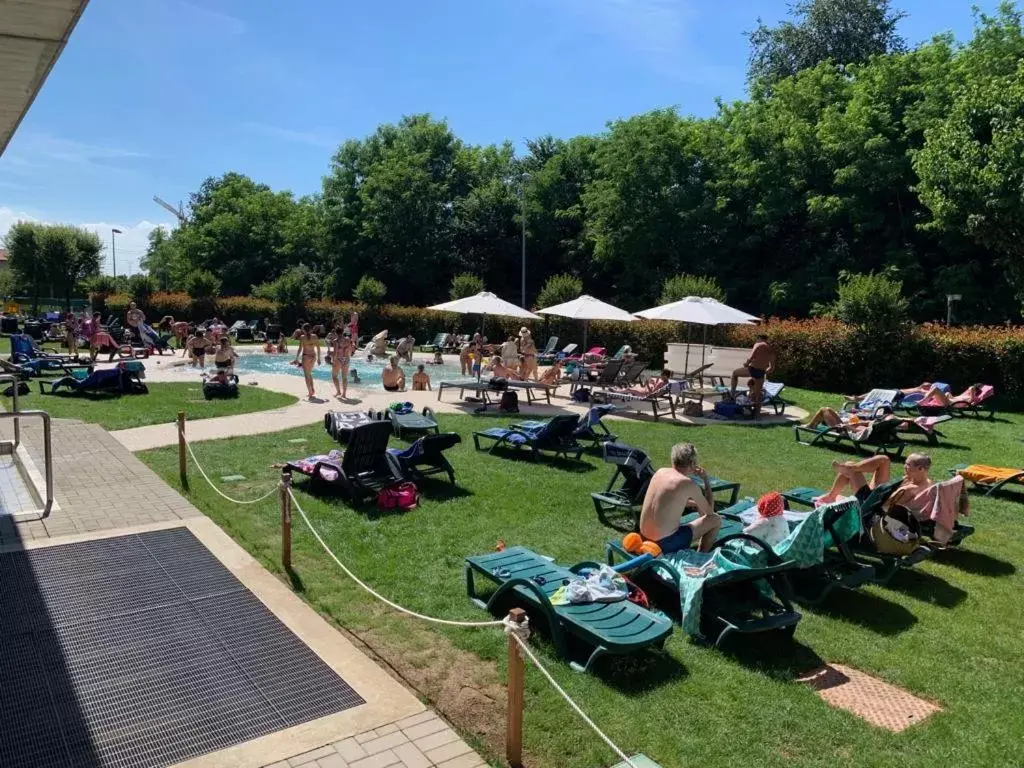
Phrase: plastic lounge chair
x=437 y=343
x=549 y=354
x=875 y=399
x=555 y=437
x=771 y=394
x=882 y=436
x=592 y=428
x=634 y=469
x=220 y=390
x=744 y=601
x=607 y=376
x=482 y=389
x=23 y=372
x=861 y=550
x=531 y=388
x=631 y=373
x=661 y=395
x=124 y=378
x=425 y=457
x=980 y=407
x=987 y=478
x=924 y=426
x=619 y=628
x=412 y=422
x=25 y=352
x=364 y=467
x=339 y=424
x=838 y=566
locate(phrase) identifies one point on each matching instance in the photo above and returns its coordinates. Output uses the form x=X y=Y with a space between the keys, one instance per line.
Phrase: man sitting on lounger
x=760 y=363
x=670 y=492
x=862 y=477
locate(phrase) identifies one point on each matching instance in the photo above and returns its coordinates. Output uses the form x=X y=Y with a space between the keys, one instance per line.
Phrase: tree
x=370 y=290
x=972 y=179
x=843 y=31
x=290 y=292
x=8 y=284
x=559 y=289
x=163 y=259
x=465 y=285
x=202 y=284
x=683 y=285
x=22 y=245
x=66 y=256
x=140 y=288
x=874 y=302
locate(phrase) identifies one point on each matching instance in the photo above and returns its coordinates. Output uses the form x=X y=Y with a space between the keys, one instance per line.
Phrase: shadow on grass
x=975 y=562
x=866 y=610
x=639 y=673
x=772 y=655
x=558 y=462
x=298 y=585
x=618 y=520
x=927 y=588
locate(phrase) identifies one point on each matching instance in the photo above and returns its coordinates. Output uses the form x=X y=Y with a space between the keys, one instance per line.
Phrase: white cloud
x=131 y=244
x=31 y=152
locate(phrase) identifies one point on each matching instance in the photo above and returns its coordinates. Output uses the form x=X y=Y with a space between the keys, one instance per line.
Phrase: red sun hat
x=771 y=504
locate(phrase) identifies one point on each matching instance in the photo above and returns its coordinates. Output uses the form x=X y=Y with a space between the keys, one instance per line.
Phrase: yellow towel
x=986 y=475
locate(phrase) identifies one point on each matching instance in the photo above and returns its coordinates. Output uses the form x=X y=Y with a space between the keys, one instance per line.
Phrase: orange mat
x=986 y=475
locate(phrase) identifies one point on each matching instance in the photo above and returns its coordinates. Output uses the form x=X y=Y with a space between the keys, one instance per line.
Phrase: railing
x=16 y=415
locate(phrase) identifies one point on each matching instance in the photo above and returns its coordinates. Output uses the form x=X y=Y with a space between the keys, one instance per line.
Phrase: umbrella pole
x=585 y=324
x=480 y=349
x=686 y=365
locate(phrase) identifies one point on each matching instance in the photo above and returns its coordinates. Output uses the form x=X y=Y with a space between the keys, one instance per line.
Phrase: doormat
x=879 y=703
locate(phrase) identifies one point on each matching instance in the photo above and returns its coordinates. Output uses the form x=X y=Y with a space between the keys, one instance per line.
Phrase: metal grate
x=144 y=651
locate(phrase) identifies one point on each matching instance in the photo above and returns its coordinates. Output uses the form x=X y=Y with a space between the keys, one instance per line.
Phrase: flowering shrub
x=248 y=308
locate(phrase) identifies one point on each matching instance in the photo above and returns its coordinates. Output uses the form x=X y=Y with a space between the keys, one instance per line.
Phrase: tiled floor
x=15 y=496
x=420 y=741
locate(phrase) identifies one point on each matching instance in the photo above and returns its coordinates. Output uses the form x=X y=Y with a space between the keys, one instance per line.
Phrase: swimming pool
x=257 y=362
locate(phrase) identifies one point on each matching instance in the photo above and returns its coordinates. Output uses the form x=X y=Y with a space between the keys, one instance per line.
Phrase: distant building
x=3 y=260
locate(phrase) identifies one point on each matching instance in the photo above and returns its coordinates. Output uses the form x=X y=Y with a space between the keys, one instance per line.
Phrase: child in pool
x=353 y=376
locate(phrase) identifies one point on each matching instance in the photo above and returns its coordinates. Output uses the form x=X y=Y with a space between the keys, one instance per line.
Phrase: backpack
x=498 y=384
x=509 y=402
x=581 y=395
x=398 y=497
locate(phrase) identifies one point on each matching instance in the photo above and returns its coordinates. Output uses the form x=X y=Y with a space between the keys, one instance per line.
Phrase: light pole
x=522 y=221
x=113 y=247
x=950 y=298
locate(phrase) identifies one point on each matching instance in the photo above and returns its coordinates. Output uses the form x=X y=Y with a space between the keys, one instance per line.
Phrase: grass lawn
x=160 y=406
x=951 y=630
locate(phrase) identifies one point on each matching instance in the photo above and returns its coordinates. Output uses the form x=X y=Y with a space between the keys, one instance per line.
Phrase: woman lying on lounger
x=920 y=389
x=653 y=386
x=551 y=376
x=935 y=396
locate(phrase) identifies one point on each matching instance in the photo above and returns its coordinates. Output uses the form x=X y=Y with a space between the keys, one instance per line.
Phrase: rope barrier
x=396 y=606
x=516 y=631
x=218 y=490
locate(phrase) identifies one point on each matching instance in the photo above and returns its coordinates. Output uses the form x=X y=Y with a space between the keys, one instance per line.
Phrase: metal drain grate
x=142 y=651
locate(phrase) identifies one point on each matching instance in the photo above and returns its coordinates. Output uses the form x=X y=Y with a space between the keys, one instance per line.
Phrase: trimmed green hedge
x=818 y=353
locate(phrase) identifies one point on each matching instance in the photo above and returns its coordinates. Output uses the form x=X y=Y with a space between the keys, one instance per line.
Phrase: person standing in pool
x=308 y=355
x=225 y=357
x=339 y=342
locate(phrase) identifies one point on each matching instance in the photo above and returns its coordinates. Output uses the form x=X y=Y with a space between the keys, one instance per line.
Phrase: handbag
x=895 y=532
x=400 y=497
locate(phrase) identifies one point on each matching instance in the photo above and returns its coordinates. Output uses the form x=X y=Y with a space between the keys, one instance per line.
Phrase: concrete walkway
x=103 y=490
x=305 y=412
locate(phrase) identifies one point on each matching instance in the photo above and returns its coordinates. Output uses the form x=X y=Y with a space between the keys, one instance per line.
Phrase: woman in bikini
x=225 y=356
x=340 y=344
x=528 y=351
x=309 y=355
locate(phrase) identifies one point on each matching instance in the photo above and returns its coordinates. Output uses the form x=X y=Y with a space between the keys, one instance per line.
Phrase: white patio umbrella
x=484 y=303
x=587 y=308
x=700 y=310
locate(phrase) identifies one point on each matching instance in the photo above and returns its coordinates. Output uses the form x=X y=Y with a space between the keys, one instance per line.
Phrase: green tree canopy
x=370 y=290
x=465 y=284
x=559 y=289
x=681 y=286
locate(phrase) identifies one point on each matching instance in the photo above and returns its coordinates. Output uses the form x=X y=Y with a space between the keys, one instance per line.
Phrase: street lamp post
x=522 y=221
x=950 y=298
x=113 y=247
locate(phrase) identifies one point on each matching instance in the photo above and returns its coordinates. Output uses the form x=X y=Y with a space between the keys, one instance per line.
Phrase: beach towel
x=986 y=475
x=308 y=465
x=943 y=503
x=695 y=570
x=603 y=585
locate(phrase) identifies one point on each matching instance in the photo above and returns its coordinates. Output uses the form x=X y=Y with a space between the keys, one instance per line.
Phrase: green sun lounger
x=881 y=438
x=743 y=596
x=412 y=422
x=526 y=578
x=886 y=566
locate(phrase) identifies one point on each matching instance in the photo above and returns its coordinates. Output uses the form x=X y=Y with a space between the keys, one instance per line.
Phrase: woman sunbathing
x=920 y=389
x=936 y=397
x=552 y=375
x=653 y=386
x=502 y=371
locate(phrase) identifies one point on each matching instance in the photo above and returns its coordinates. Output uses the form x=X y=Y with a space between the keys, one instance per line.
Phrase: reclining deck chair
x=411 y=421
x=436 y=344
x=862 y=550
x=663 y=395
x=592 y=428
x=882 y=436
x=743 y=596
x=987 y=478
x=24 y=352
x=339 y=424
x=363 y=468
x=619 y=628
x=124 y=378
x=980 y=407
x=425 y=457
x=555 y=437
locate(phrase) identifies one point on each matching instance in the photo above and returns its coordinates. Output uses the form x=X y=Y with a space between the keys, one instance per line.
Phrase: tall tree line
x=852 y=154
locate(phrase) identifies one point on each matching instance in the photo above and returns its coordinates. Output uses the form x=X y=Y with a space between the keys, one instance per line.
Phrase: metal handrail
x=4 y=377
x=47 y=449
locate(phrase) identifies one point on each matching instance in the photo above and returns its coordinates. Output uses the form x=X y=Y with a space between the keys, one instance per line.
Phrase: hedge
x=817 y=353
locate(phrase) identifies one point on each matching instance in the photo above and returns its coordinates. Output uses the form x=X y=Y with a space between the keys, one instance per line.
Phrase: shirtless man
x=759 y=364
x=501 y=370
x=134 y=318
x=668 y=495
x=862 y=477
x=393 y=377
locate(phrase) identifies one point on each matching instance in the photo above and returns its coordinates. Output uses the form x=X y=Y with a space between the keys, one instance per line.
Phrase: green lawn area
x=950 y=630
x=160 y=406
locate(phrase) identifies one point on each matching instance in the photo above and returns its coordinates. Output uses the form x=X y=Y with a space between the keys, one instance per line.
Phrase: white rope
x=514 y=630
x=380 y=597
x=218 y=490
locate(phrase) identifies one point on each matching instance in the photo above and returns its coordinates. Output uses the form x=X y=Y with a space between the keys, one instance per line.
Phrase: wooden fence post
x=182 y=462
x=516 y=673
x=286 y=520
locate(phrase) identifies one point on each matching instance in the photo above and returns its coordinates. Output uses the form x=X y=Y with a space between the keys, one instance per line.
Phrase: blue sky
x=152 y=96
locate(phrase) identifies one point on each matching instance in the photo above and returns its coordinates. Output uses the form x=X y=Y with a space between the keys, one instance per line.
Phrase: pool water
x=254 y=363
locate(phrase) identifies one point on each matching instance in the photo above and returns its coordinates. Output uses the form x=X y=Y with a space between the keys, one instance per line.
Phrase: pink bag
x=401 y=496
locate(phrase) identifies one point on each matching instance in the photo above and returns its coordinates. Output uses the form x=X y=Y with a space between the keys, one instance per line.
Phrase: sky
x=152 y=96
